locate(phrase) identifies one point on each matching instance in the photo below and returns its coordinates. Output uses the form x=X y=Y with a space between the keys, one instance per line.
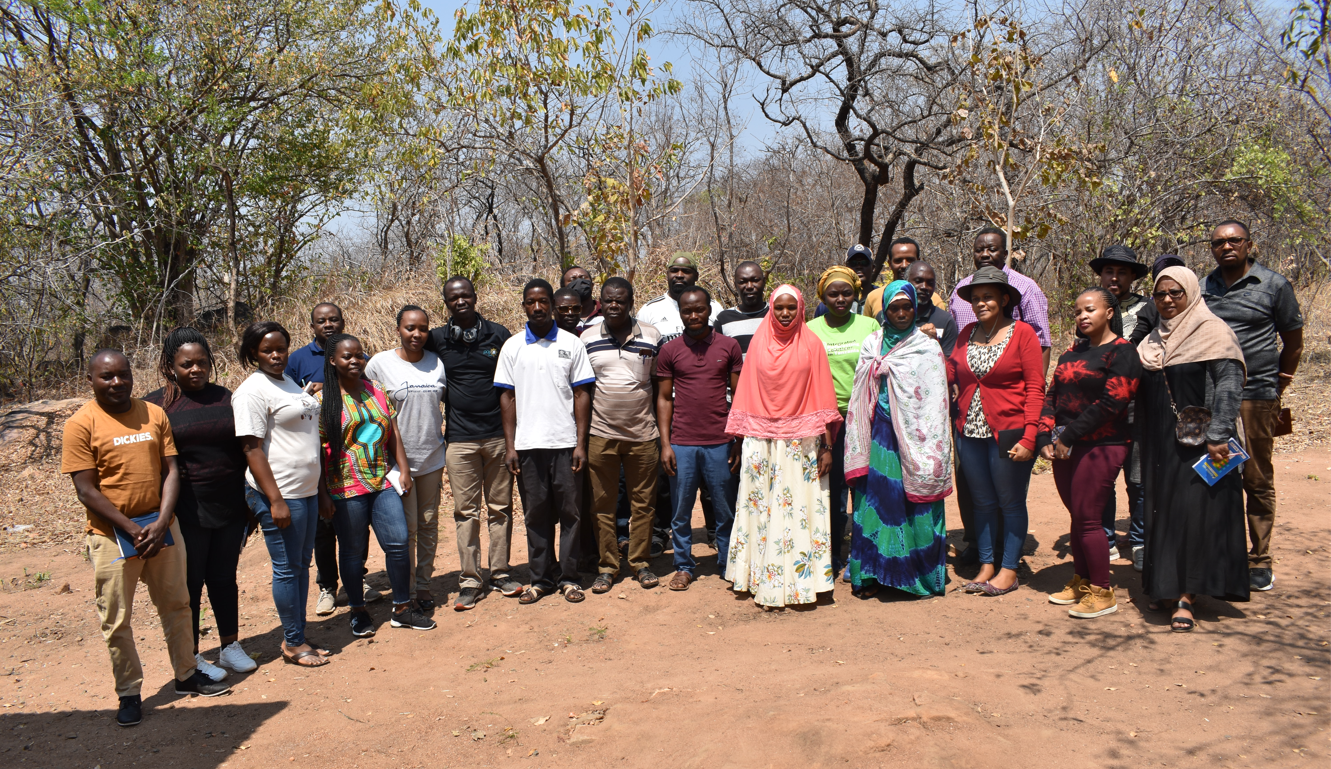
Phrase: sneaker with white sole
x=233 y=656
x=327 y=602
x=372 y=595
x=1113 y=552
x=1095 y=602
x=1139 y=558
x=201 y=685
x=213 y=672
x=412 y=618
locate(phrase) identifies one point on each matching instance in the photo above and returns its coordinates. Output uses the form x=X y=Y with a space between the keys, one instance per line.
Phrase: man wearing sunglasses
x=1259 y=305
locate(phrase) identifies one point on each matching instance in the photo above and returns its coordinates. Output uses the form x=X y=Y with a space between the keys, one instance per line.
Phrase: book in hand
x=1211 y=473
x=126 y=542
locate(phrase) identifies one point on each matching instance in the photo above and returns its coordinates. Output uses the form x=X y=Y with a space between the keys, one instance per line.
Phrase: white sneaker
x=327 y=603
x=1113 y=552
x=234 y=657
x=1139 y=558
x=209 y=669
x=372 y=595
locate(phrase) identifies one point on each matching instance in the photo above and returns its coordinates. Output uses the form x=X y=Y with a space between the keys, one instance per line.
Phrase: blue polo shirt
x=307 y=364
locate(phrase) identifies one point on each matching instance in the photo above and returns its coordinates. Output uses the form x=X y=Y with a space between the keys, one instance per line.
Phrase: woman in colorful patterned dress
x=898 y=455
x=785 y=408
x=360 y=446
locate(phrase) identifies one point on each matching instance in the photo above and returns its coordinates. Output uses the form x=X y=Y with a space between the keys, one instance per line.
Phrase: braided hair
x=1116 y=322
x=178 y=338
x=331 y=414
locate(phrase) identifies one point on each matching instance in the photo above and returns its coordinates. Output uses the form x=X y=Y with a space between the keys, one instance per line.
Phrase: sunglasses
x=1235 y=242
x=1173 y=293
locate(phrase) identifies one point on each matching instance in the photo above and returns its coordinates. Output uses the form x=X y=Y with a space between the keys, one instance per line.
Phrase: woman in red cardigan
x=996 y=376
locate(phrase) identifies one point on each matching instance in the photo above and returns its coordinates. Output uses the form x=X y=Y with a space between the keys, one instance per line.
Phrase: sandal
x=1187 y=623
x=322 y=651
x=681 y=581
x=531 y=595
x=868 y=591
x=603 y=583
x=573 y=593
x=296 y=659
x=425 y=604
x=646 y=578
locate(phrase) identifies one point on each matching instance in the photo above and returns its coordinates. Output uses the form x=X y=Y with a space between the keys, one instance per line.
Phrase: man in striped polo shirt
x=623 y=432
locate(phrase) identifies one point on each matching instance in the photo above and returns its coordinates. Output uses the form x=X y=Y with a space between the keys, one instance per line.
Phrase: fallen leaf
x=541 y=720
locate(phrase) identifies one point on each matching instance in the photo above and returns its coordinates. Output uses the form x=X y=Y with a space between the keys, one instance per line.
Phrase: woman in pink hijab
x=785 y=409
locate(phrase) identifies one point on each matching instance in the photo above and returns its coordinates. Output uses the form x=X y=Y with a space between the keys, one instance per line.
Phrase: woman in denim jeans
x=360 y=446
x=278 y=424
x=996 y=375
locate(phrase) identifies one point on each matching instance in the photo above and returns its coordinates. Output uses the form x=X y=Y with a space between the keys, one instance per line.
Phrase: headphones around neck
x=467 y=335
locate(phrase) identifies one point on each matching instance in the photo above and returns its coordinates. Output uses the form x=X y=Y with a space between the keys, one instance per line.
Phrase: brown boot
x=1097 y=602
x=1071 y=592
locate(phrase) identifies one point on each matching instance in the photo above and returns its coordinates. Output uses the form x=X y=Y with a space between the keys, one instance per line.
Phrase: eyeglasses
x=1234 y=241
x=1173 y=293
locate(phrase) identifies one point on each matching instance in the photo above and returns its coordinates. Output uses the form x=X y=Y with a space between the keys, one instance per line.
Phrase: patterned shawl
x=916 y=377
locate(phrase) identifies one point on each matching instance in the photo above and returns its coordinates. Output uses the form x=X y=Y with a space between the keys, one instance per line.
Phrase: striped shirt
x=1034 y=307
x=622 y=403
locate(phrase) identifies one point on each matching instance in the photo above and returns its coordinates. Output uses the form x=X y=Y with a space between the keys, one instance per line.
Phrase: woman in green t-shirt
x=843 y=333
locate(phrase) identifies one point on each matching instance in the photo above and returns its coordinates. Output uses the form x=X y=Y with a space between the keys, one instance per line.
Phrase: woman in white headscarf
x=1195 y=532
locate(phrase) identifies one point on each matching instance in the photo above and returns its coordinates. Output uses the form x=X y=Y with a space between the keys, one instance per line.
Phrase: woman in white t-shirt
x=278 y=424
x=414 y=379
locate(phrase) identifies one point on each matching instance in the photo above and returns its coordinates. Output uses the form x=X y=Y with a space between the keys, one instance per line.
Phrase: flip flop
x=531 y=595
x=295 y=659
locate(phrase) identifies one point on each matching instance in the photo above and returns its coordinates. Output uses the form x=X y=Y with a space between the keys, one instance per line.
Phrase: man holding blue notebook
x=115 y=448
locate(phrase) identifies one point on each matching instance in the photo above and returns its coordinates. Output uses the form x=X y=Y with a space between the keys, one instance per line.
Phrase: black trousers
x=551 y=495
x=211 y=556
x=325 y=556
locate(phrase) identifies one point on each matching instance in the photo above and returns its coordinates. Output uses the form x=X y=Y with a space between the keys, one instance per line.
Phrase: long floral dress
x=780 y=549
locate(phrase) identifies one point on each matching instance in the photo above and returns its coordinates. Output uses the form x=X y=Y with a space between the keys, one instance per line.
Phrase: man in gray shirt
x=1259 y=305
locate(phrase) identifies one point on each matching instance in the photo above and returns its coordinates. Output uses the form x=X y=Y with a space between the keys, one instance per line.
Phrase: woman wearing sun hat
x=996 y=377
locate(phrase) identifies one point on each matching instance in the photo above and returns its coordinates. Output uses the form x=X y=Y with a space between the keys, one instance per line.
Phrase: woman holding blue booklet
x=1188 y=405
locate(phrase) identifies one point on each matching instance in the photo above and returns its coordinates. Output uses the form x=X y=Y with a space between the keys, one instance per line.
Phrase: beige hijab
x=1193 y=336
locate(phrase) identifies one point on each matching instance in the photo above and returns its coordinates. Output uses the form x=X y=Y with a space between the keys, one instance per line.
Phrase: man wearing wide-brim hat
x=1119 y=269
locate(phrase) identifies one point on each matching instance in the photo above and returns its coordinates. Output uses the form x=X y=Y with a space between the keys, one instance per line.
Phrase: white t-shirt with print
x=663 y=313
x=542 y=375
x=417 y=391
x=287 y=419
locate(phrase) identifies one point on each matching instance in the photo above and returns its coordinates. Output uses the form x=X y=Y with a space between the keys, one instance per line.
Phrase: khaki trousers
x=641 y=461
x=480 y=482
x=114 y=584
x=421 y=505
x=1259 y=477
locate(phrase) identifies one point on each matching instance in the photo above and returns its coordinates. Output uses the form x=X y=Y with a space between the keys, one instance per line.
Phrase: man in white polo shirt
x=545 y=402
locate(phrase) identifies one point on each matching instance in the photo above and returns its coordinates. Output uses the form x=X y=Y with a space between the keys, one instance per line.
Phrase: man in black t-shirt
x=469 y=347
x=741 y=321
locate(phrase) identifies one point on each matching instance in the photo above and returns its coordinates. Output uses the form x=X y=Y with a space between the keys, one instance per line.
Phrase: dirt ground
x=654 y=678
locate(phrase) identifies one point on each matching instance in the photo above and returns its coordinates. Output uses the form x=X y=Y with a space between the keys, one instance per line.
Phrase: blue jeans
x=381 y=511
x=709 y=467
x=290 y=550
x=1137 y=525
x=998 y=487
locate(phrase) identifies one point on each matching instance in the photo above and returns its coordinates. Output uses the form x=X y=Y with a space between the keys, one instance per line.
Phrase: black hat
x=990 y=276
x=1166 y=260
x=1119 y=254
x=858 y=251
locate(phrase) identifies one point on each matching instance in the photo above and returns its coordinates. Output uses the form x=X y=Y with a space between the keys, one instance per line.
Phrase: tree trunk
x=909 y=189
x=233 y=259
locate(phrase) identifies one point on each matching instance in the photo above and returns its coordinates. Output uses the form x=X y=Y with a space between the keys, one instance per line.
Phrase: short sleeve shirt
x=843 y=350
x=471 y=402
x=126 y=450
x=700 y=370
x=287 y=419
x=622 y=403
x=739 y=325
x=367 y=424
x=542 y=372
x=1259 y=306
x=416 y=391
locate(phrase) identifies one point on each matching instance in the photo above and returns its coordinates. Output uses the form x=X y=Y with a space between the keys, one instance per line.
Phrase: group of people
x=820 y=448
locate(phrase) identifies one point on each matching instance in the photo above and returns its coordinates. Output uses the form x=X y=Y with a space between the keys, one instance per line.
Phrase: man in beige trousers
x=115 y=447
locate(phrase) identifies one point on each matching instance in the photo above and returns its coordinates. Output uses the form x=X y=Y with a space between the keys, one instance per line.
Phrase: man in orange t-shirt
x=115 y=449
